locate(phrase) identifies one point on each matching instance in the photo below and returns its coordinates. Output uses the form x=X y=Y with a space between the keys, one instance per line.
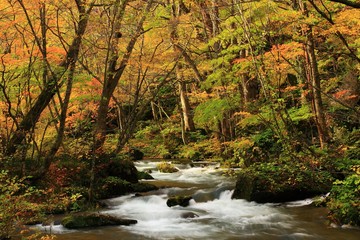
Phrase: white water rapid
x=215 y=214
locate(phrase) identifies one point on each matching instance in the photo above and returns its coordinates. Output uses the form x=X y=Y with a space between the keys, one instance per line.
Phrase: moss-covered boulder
x=166 y=167
x=116 y=166
x=143 y=187
x=178 y=200
x=144 y=175
x=114 y=187
x=135 y=154
x=91 y=220
x=281 y=182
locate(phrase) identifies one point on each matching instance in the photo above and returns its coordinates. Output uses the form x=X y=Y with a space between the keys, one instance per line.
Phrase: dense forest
x=270 y=89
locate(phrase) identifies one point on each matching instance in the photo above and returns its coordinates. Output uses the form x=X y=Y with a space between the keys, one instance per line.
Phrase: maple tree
x=243 y=80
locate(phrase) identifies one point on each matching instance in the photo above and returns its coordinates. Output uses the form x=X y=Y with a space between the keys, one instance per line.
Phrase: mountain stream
x=217 y=216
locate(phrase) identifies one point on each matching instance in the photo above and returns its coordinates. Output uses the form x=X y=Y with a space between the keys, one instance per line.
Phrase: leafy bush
x=237 y=153
x=344 y=203
x=15 y=207
x=205 y=149
x=208 y=114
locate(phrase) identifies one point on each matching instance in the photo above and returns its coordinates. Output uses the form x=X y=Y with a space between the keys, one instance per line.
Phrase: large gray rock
x=91 y=220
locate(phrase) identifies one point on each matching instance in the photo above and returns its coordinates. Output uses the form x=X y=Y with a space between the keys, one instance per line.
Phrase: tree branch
x=348 y=3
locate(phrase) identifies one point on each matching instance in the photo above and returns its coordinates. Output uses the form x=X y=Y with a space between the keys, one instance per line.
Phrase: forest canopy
x=240 y=82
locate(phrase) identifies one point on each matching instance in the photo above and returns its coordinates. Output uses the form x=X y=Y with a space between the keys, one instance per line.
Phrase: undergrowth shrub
x=16 y=208
x=344 y=203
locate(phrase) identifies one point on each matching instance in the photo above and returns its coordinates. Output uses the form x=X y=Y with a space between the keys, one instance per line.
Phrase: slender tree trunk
x=60 y=132
x=114 y=73
x=314 y=80
x=187 y=118
x=189 y=125
x=31 y=117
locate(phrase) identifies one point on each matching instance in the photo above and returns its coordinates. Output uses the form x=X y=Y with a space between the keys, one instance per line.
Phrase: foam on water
x=219 y=216
x=210 y=174
x=157 y=220
x=53 y=229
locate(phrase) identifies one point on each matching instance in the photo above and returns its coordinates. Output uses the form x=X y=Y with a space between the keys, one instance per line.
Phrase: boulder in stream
x=135 y=154
x=144 y=175
x=91 y=220
x=188 y=215
x=166 y=167
x=273 y=182
x=182 y=201
x=113 y=187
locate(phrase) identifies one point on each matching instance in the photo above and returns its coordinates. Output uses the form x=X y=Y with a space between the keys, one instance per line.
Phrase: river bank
x=219 y=216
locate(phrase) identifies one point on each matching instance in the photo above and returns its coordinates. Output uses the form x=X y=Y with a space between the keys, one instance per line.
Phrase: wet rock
x=178 y=200
x=263 y=183
x=166 y=156
x=143 y=187
x=166 y=167
x=112 y=166
x=189 y=215
x=113 y=187
x=135 y=154
x=91 y=220
x=144 y=175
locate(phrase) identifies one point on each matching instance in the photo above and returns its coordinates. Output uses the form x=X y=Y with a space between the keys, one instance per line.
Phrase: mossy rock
x=114 y=187
x=144 y=175
x=113 y=165
x=166 y=167
x=135 y=154
x=276 y=182
x=182 y=201
x=143 y=187
x=94 y=220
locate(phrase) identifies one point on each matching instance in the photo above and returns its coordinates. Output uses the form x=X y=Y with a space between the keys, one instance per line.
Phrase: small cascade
x=221 y=214
x=211 y=213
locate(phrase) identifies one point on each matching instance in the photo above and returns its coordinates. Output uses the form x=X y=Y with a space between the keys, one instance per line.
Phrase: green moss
x=144 y=175
x=281 y=181
x=93 y=220
x=166 y=167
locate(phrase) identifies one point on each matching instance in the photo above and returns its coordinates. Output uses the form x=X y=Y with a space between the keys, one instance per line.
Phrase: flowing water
x=218 y=216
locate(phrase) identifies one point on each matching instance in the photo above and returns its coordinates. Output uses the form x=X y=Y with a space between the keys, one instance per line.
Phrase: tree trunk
x=31 y=117
x=114 y=74
x=189 y=125
x=187 y=118
x=60 y=132
x=314 y=81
